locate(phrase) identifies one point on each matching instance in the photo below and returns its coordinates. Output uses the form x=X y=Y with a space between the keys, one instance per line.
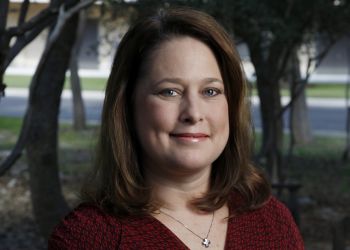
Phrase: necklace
x=205 y=240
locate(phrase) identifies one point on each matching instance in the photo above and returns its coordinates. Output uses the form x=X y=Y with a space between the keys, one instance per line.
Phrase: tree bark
x=4 y=5
x=270 y=108
x=346 y=153
x=340 y=232
x=42 y=148
x=301 y=129
x=79 y=120
x=272 y=127
x=299 y=114
x=4 y=46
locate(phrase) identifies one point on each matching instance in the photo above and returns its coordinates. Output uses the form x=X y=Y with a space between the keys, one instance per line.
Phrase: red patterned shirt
x=88 y=227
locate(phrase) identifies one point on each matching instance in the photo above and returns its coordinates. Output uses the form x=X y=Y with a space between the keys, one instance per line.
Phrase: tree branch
x=23 y=12
x=319 y=58
x=4 y=4
x=24 y=40
x=291 y=45
x=22 y=140
x=41 y=17
x=61 y=20
x=18 y=148
x=64 y=16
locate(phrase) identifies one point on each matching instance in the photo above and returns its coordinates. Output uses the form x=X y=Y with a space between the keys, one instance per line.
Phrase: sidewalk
x=66 y=94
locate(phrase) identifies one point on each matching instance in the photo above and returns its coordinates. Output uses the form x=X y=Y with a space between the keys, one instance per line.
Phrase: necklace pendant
x=205 y=243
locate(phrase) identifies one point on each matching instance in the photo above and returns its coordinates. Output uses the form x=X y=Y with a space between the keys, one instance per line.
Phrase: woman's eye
x=168 y=92
x=211 y=92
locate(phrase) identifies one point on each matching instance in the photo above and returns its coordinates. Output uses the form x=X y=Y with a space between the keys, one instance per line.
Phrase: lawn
x=323 y=90
x=75 y=147
x=88 y=83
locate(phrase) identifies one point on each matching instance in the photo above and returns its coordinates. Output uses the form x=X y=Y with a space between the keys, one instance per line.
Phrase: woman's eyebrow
x=178 y=80
x=213 y=79
x=169 y=80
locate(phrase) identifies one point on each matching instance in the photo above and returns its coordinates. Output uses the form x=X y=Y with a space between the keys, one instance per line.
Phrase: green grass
x=68 y=137
x=11 y=125
x=75 y=147
x=319 y=168
x=88 y=83
x=326 y=90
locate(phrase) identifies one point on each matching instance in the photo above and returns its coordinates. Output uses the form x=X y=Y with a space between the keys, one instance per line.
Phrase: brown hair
x=117 y=182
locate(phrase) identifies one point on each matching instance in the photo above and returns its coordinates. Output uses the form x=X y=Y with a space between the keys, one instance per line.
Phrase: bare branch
x=4 y=4
x=23 y=12
x=45 y=22
x=65 y=15
x=289 y=8
x=18 y=148
x=319 y=58
x=61 y=20
x=22 y=140
x=24 y=40
x=41 y=17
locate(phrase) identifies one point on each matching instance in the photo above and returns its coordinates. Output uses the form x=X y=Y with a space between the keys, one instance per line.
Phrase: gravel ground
x=17 y=226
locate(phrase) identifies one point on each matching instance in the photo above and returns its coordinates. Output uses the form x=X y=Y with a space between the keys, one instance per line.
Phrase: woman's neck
x=177 y=192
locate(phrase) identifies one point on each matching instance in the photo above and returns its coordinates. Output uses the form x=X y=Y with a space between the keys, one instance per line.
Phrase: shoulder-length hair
x=117 y=182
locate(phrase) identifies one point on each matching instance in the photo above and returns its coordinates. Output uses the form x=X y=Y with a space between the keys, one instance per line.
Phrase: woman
x=173 y=167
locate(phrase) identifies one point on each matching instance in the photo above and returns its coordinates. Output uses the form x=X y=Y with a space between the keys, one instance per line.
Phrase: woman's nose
x=191 y=111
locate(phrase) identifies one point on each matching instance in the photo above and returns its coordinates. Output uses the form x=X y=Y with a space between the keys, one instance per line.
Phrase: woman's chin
x=191 y=166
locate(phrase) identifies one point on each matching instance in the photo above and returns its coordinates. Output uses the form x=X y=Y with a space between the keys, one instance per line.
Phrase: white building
x=101 y=37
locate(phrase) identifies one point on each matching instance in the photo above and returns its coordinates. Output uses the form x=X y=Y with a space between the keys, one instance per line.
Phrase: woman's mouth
x=190 y=137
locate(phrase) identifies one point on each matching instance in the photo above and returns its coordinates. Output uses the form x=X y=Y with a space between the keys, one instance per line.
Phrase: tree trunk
x=340 y=233
x=4 y=43
x=272 y=127
x=42 y=148
x=299 y=114
x=270 y=109
x=300 y=120
x=346 y=153
x=79 y=121
x=4 y=5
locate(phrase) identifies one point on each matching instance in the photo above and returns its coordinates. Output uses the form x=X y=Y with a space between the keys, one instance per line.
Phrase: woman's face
x=181 y=111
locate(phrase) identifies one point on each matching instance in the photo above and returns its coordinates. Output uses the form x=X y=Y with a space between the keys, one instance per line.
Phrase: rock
x=17 y=169
x=328 y=214
x=306 y=201
x=12 y=183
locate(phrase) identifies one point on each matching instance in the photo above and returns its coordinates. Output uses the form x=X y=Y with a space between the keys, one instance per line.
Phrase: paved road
x=327 y=116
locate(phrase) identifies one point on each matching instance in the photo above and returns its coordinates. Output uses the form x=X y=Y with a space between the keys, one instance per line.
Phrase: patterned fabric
x=88 y=227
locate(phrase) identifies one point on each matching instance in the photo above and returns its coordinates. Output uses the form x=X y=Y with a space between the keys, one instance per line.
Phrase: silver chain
x=205 y=241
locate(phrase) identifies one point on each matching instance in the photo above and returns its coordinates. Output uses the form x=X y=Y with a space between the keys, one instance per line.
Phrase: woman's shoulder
x=86 y=227
x=272 y=223
x=281 y=222
x=276 y=207
x=272 y=207
x=273 y=213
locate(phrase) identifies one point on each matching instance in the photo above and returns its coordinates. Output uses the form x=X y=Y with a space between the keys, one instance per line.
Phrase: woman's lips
x=191 y=137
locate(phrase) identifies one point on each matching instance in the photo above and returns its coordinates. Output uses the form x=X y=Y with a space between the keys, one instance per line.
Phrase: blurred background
x=55 y=58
